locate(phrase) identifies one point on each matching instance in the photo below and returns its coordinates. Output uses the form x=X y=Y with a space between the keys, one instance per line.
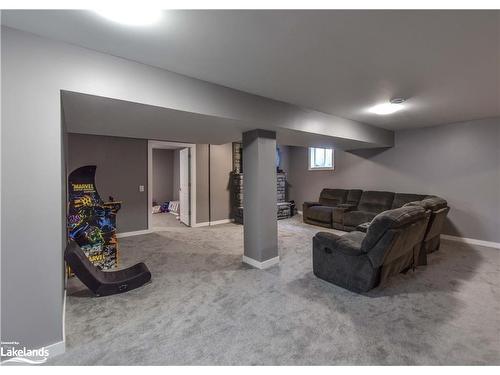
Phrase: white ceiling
x=339 y=62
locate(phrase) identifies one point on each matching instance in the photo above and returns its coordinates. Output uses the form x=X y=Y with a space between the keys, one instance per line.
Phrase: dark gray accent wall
x=202 y=195
x=122 y=164
x=460 y=162
x=163 y=175
x=219 y=194
x=121 y=168
x=220 y=169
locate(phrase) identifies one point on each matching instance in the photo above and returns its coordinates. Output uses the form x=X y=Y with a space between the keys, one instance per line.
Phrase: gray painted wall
x=163 y=175
x=121 y=168
x=34 y=71
x=220 y=169
x=460 y=162
x=259 y=198
x=285 y=157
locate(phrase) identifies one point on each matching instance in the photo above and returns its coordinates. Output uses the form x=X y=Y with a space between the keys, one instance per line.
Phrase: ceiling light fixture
x=388 y=108
x=131 y=17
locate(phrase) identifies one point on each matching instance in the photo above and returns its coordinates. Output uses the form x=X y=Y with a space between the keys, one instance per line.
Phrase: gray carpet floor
x=205 y=307
x=166 y=220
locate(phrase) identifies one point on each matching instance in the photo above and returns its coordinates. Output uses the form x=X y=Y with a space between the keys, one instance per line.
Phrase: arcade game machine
x=92 y=222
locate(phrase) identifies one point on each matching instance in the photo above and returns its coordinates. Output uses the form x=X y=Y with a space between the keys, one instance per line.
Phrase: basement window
x=321 y=159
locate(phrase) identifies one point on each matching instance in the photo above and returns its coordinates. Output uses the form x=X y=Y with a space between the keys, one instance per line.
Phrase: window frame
x=332 y=168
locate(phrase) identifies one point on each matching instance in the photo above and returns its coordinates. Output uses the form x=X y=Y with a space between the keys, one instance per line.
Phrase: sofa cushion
x=332 y=197
x=320 y=213
x=390 y=219
x=339 y=212
x=353 y=196
x=375 y=201
x=354 y=218
x=400 y=199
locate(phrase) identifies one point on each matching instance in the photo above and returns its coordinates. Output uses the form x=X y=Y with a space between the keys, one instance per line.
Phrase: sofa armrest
x=306 y=206
x=327 y=237
x=347 y=206
x=344 y=266
x=332 y=243
x=339 y=211
x=310 y=204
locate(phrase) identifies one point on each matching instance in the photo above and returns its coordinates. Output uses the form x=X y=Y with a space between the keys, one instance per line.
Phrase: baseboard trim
x=210 y=223
x=471 y=241
x=224 y=221
x=261 y=265
x=204 y=224
x=64 y=318
x=134 y=233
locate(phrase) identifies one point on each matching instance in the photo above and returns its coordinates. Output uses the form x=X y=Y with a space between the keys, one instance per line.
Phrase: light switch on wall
x=141 y=188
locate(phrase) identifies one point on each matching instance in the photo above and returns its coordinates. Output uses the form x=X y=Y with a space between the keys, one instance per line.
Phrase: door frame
x=152 y=144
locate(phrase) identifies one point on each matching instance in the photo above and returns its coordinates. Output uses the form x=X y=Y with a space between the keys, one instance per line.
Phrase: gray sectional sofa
x=389 y=232
x=346 y=209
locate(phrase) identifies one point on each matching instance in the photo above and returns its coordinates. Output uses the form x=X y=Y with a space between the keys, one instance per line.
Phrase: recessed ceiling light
x=398 y=100
x=132 y=17
x=394 y=105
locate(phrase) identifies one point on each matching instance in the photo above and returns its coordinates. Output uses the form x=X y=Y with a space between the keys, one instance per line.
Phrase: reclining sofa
x=347 y=210
x=361 y=261
x=320 y=213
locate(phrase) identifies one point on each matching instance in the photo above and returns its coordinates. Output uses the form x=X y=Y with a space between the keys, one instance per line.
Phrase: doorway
x=171 y=185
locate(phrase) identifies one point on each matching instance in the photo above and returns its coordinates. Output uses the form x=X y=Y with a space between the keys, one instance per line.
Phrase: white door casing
x=154 y=144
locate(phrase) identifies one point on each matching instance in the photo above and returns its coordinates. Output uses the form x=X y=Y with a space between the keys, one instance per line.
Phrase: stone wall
x=237 y=157
x=237 y=181
x=284 y=209
x=281 y=187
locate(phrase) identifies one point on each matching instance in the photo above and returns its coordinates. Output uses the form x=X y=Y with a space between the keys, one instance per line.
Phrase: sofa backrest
x=353 y=196
x=438 y=208
x=436 y=223
x=376 y=201
x=430 y=202
x=332 y=197
x=400 y=199
x=394 y=233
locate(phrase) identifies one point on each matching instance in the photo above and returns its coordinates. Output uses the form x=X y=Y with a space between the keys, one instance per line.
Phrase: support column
x=259 y=198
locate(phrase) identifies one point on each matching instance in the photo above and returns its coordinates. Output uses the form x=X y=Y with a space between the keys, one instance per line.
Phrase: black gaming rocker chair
x=104 y=283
